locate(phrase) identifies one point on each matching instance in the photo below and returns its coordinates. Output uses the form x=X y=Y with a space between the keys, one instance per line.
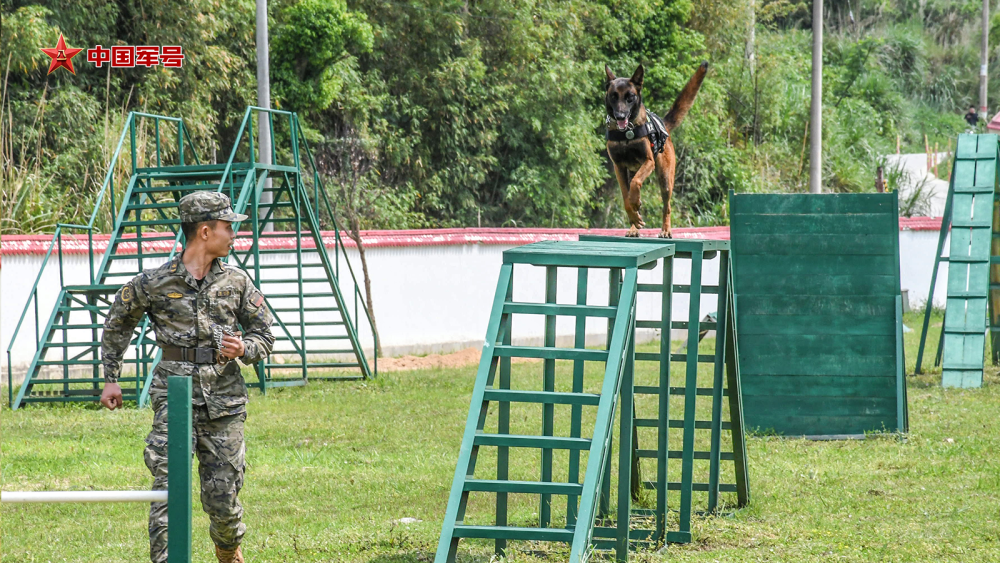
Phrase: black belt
x=193 y=355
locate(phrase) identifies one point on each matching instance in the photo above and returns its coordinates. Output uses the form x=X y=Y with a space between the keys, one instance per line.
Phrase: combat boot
x=229 y=556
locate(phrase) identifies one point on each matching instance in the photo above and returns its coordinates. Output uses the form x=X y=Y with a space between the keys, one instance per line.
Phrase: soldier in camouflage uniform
x=194 y=303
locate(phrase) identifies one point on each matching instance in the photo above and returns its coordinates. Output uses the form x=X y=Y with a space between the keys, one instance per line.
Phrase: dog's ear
x=611 y=75
x=637 y=78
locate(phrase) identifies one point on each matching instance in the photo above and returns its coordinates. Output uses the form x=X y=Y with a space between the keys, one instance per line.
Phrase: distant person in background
x=972 y=118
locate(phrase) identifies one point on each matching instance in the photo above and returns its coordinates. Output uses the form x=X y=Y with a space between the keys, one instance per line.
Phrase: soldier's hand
x=111 y=397
x=232 y=346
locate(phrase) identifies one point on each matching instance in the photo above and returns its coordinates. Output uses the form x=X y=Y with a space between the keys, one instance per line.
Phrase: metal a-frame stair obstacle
x=146 y=229
x=589 y=501
x=312 y=316
x=971 y=213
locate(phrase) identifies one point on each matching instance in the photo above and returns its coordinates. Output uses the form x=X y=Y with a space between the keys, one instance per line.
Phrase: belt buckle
x=204 y=356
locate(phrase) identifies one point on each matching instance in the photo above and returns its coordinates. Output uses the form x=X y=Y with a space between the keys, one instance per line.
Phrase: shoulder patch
x=258 y=299
x=175 y=295
x=126 y=293
x=173 y=268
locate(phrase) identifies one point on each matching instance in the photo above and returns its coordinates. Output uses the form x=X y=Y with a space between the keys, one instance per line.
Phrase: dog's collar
x=628 y=135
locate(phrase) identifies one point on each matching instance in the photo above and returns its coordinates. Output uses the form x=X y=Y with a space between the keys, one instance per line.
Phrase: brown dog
x=633 y=140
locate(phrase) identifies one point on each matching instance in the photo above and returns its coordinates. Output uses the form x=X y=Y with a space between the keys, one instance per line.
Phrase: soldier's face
x=220 y=239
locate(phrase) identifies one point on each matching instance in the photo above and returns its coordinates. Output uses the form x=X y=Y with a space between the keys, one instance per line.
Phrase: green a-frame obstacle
x=589 y=521
x=302 y=282
x=972 y=216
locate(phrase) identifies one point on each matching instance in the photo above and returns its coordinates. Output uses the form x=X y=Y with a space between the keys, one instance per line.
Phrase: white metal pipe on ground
x=82 y=496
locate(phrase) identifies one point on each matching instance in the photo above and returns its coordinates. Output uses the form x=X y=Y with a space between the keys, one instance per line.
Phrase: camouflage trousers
x=218 y=445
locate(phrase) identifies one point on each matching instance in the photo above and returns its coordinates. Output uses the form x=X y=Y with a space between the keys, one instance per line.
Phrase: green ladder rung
x=972 y=224
x=145 y=256
x=556 y=309
x=699 y=487
x=700 y=391
x=968 y=294
x=311 y=364
x=677 y=288
x=968 y=259
x=698 y=424
x=513 y=533
x=950 y=330
x=297 y=295
x=604 y=532
x=285 y=383
x=69 y=362
x=150 y=223
x=544 y=397
x=678 y=454
x=84 y=344
x=962 y=367
x=550 y=353
x=530 y=487
x=655 y=357
x=64 y=380
x=77 y=326
x=541 y=442
x=144 y=206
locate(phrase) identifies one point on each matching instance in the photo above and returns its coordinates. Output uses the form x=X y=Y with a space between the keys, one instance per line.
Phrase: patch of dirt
x=462 y=358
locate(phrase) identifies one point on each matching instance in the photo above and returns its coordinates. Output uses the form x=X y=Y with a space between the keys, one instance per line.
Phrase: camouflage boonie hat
x=207 y=206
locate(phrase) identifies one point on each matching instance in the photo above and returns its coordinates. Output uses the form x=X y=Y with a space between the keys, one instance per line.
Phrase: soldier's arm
x=256 y=322
x=130 y=305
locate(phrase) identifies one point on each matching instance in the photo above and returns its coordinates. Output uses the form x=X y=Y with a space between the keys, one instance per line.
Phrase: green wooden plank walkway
x=973 y=270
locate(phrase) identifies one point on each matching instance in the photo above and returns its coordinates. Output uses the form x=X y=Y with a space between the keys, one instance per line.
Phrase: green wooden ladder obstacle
x=973 y=274
x=588 y=501
x=820 y=312
x=178 y=493
x=312 y=316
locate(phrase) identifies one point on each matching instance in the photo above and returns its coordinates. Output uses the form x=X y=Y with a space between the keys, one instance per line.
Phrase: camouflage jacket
x=183 y=313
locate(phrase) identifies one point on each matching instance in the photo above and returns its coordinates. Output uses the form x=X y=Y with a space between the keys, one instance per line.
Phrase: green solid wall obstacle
x=819 y=312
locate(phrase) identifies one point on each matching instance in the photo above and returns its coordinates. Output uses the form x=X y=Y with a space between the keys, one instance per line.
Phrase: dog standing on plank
x=638 y=144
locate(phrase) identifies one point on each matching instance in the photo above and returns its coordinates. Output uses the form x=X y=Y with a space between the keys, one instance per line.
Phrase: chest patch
x=224 y=293
x=175 y=295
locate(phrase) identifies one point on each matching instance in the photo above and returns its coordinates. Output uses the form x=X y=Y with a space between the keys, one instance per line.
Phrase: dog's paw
x=664 y=234
x=633 y=231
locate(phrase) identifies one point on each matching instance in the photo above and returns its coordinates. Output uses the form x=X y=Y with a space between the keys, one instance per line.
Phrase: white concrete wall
x=434 y=298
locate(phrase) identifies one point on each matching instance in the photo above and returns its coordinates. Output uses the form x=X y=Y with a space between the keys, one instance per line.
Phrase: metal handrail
x=107 y=187
x=339 y=242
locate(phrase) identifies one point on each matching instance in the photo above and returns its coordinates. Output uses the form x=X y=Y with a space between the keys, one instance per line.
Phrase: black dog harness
x=652 y=128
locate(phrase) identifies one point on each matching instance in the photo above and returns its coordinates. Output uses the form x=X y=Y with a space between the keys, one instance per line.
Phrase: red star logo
x=61 y=56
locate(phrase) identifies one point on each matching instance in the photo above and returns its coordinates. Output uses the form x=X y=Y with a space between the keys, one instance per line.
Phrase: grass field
x=334 y=467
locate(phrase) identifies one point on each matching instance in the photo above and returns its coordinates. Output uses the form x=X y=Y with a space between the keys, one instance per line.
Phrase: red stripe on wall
x=11 y=245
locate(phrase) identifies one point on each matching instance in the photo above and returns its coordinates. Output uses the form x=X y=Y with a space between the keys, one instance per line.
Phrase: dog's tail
x=685 y=100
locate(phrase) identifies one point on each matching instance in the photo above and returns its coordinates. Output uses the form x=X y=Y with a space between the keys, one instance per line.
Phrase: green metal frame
x=970 y=217
x=145 y=212
x=725 y=384
x=589 y=501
